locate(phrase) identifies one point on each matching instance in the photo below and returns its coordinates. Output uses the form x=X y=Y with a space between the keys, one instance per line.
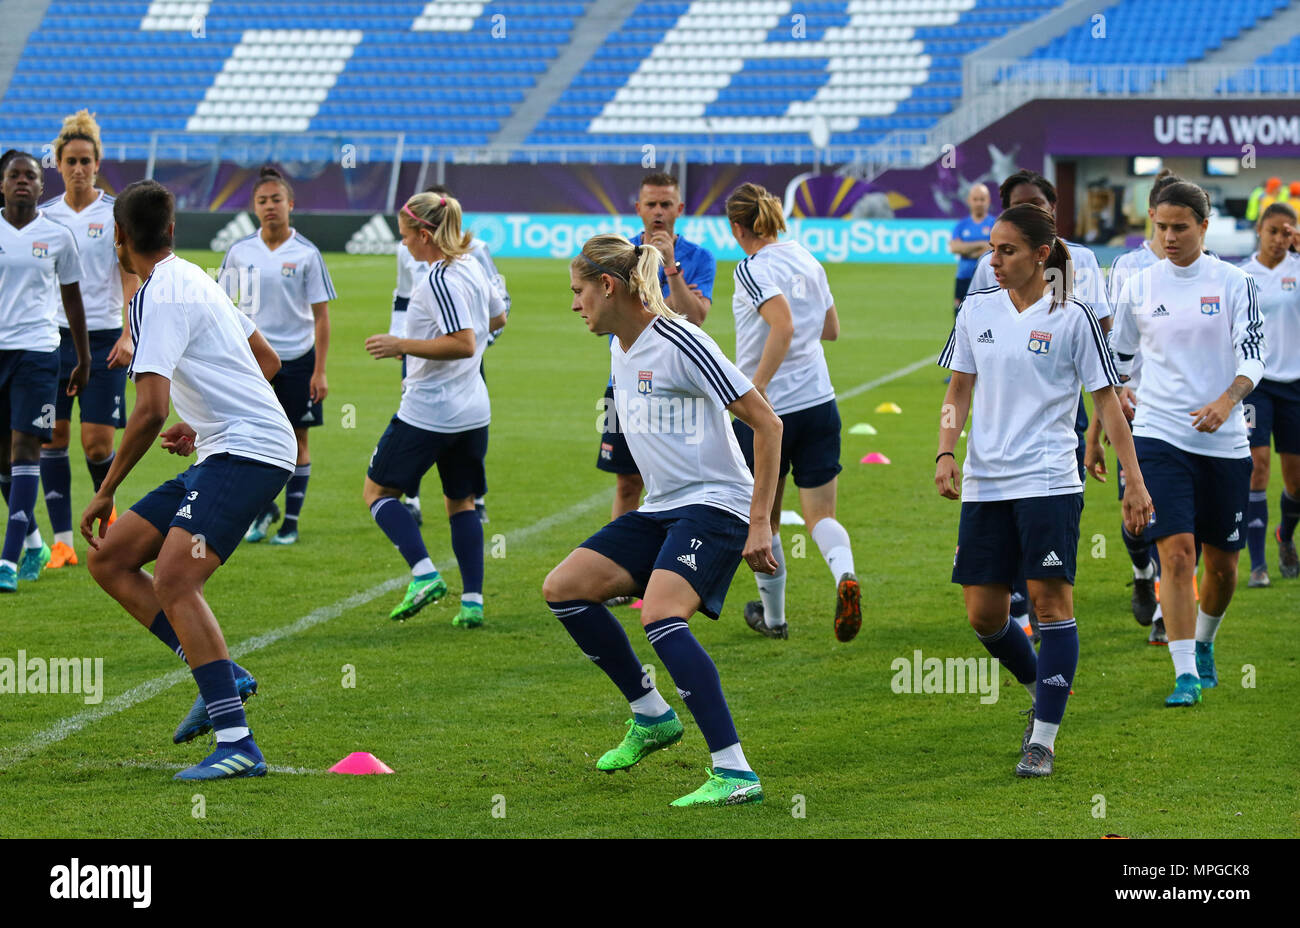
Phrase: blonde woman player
x=285 y=288
x=702 y=514
x=105 y=290
x=444 y=413
x=784 y=310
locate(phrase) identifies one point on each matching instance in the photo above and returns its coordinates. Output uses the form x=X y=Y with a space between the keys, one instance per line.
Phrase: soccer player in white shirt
x=784 y=310
x=105 y=290
x=1018 y=354
x=409 y=271
x=1273 y=407
x=703 y=512
x=1089 y=285
x=193 y=348
x=1196 y=321
x=39 y=269
x=282 y=284
x=1141 y=550
x=444 y=414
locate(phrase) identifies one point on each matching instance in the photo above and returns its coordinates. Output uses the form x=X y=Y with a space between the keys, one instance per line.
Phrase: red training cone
x=360 y=762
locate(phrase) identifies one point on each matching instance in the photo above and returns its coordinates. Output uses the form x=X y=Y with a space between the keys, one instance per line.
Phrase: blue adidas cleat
x=196 y=721
x=8 y=580
x=228 y=762
x=33 y=562
x=285 y=538
x=1187 y=691
x=1205 y=665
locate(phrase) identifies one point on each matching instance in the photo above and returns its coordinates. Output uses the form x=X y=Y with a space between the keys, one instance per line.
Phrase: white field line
x=881 y=381
x=11 y=755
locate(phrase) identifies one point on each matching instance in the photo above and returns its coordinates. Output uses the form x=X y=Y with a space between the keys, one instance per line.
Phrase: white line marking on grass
x=150 y=688
x=881 y=381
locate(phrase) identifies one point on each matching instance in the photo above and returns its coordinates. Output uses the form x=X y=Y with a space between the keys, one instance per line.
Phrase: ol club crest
x=40 y=250
x=288 y=269
x=644 y=381
x=1040 y=342
x=1210 y=305
x=95 y=230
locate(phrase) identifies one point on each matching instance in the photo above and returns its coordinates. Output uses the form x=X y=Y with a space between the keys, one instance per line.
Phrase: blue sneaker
x=8 y=580
x=1187 y=691
x=1205 y=665
x=196 y=721
x=33 y=562
x=228 y=762
x=285 y=538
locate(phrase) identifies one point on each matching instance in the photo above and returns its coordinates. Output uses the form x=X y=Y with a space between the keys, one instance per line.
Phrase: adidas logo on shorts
x=1051 y=560
x=688 y=560
x=184 y=512
x=1055 y=680
x=1235 y=536
x=986 y=338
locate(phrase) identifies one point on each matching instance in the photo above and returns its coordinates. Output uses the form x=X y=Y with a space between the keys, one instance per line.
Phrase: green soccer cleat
x=33 y=562
x=419 y=593
x=1205 y=665
x=470 y=616
x=639 y=741
x=719 y=790
x=1187 y=691
x=284 y=538
x=8 y=580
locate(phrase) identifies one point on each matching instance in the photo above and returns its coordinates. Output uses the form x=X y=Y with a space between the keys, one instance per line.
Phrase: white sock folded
x=833 y=540
x=1184 y=656
x=771 y=588
x=651 y=705
x=732 y=758
x=1207 y=626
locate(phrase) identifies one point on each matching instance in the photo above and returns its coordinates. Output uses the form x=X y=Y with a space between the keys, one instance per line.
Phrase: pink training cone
x=361 y=762
x=875 y=457
x=638 y=604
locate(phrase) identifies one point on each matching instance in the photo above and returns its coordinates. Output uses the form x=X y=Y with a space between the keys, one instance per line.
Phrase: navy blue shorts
x=292 y=387
x=1275 y=409
x=103 y=402
x=1195 y=493
x=810 y=444
x=960 y=287
x=1037 y=538
x=701 y=543
x=29 y=381
x=217 y=499
x=615 y=457
x=405 y=454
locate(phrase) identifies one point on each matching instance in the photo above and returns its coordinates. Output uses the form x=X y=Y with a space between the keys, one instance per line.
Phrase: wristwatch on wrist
x=677 y=269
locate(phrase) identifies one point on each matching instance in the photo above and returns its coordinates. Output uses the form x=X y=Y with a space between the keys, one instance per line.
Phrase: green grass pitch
x=495 y=732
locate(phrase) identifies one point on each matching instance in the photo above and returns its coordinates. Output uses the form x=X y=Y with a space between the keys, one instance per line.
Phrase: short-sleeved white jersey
x=1089 y=282
x=447 y=396
x=1197 y=327
x=671 y=390
x=186 y=329
x=1279 y=305
x=101 y=278
x=785 y=269
x=34 y=261
x=276 y=289
x=409 y=271
x=1028 y=368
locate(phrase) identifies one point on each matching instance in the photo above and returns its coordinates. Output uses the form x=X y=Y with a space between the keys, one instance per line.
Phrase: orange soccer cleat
x=62 y=555
x=112 y=517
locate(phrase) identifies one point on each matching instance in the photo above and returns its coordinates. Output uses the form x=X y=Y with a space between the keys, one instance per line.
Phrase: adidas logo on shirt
x=1051 y=560
x=688 y=560
x=373 y=238
x=1161 y=311
x=986 y=338
x=184 y=512
x=1055 y=680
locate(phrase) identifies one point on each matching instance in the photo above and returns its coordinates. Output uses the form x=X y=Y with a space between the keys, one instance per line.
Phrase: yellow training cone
x=888 y=407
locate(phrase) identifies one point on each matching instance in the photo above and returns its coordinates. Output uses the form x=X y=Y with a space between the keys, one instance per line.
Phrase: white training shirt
x=1124 y=267
x=276 y=289
x=1089 y=282
x=671 y=390
x=1197 y=327
x=1028 y=368
x=409 y=271
x=785 y=269
x=34 y=261
x=186 y=329
x=1279 y=305
x=101 y=278
x=447 y=396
